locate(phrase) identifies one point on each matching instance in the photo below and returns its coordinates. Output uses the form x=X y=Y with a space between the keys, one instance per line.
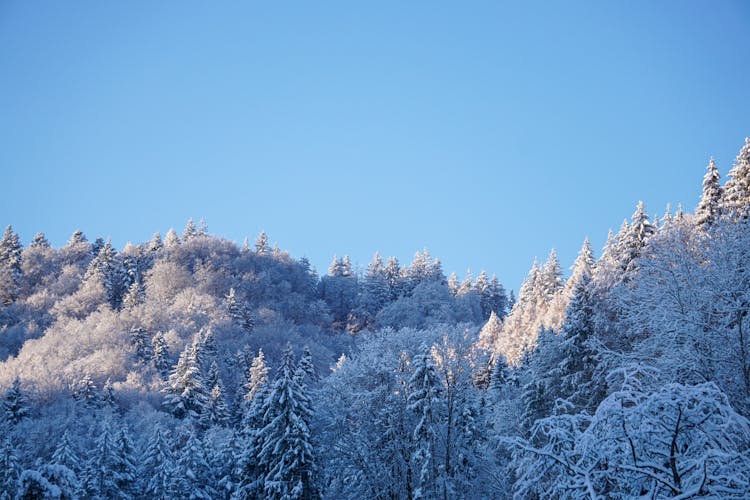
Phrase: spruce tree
x=10 y=467
x=185 y=393
x=708 y=209
x=160 y=357
x=65 y=454
x=10 y=267
x=125 y=463
x=216 y=412
x=158 y=468
x=425 y=390
x=189 y=232
x=171 y=240
x=261 y=244
x=286 y=454
x=39 y=241
x=735 y=200
x=100 y=480
x=141 y=344
x=15 y=403
x=192 y=477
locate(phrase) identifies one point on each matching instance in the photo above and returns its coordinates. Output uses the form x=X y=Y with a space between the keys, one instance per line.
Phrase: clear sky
x=488 y=132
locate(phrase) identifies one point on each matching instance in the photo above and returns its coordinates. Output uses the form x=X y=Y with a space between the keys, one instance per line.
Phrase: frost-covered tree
x=287 y=453
x=424 y=398
x=10 y=266
x=192 y=475
x=735 y=199
x=261 y=244
x=171 y=240
x=15 y=403
x=66 y=454
x=125 y=468
x=160 y=356
x=100 y=478
x=107 y=269
x=157 y=470
x=189 y=232
x=239 y=312
x=708 y=210
x=185 y=393
x=10 y=467
x=216 y=412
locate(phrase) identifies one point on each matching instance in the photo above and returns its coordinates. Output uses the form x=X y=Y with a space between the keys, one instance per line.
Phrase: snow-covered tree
x=158 y=468
x=15 y=403
x=10 y=266
x=735 y=199
x=708 y=210
x=424 y=398
x=192 y=475
x=185 y=392
x=287 y=454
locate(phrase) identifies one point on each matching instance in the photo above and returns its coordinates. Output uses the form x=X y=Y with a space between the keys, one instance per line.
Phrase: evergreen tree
x=306 y=368
x=15 y=403
x=160 y=357
x=424 y=394
x=185 y=392
x=708 y=209
x=498 y=301
x=141 y=344
x=108 y=268
x=85 y=392
x=393 y=278
x=239 y=312
x=466 y=285
x=735 y=200
x=216 y=412
x=490 y=332
x=453 y=284
x=583 y=267
x=39 y=241
x=190 y=231
x=65 y=454
x=500 y=374
x=108 y=395
x=261 y=244
x=125 y=463
x=100 y=480
x=192 y=478
x=171 y=240
x=158 y=468
x=287 y=454
x=155 y=245
x=10 y=266
x=10 y=467
x=257 y=377
x=135 y=295
x=97 y=246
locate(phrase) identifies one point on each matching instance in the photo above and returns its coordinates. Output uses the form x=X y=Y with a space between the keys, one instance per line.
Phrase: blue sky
x=488 y=132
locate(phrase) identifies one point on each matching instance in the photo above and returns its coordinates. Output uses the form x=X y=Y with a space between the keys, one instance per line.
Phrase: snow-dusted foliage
x=168 y=369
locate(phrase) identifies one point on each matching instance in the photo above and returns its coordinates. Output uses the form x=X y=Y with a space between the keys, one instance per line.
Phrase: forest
x=191 y=367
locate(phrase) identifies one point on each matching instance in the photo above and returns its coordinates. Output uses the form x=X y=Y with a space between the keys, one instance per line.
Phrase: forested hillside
x=191 y=367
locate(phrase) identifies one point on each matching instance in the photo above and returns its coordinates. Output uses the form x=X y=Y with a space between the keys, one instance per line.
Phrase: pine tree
x=141 y=344
x=39 y=241
x=490 y=332
x=108 y=268
x=735 y=200
x=306 y=368
x=498 y=301
x=10 y=467
x=393 y=278
x=85 y=392
x=287 y=454
x=185 y=393
x=189 y=232
x=633 y=240
x=500 y=374
x=15 y=403
x=216 y=412
x=171 y=240
x=261 y=244
x=135 y=295
x=158 y=466
x=10 y=267
x=192 y=478
x=424 y=396
x=579 y=360
x=257 y=377
x=100 y=480
x=107 y=397
x=453 y=284
x=708 y=210
x=125 y=463
x=466 y=285
x=583 y=267
x=160 y=357
x=239 y=312
x=155 y=245
x=65 y=454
